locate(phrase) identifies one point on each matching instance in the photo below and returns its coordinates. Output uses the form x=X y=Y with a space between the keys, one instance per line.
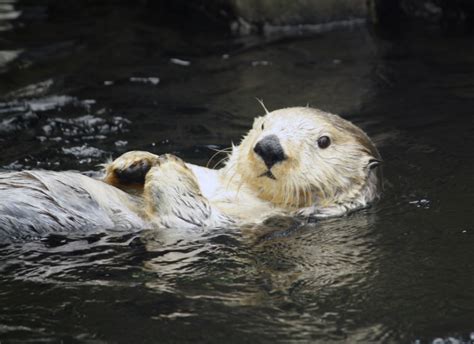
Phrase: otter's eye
x=263 y=126
x=324 y=142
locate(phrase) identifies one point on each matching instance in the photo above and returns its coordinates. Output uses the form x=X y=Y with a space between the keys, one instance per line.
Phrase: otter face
x=298 y=157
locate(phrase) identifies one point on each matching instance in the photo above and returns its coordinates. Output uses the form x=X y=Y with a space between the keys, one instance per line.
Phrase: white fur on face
x=310 y=175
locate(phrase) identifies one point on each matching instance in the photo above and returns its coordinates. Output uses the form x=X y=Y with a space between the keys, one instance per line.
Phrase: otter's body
x=293 y=161
x=33 y=203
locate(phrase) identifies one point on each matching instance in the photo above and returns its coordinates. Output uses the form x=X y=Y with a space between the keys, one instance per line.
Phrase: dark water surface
x=76 y=90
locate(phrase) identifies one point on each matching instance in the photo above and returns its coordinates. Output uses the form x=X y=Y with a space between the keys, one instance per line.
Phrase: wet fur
x=142 y=190
x=311 y=181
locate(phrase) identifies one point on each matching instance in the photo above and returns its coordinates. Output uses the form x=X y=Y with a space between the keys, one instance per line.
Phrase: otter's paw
x=169 y=180
x=171 y=171
x=172 y=160
x=173 y=198
x=130 y=168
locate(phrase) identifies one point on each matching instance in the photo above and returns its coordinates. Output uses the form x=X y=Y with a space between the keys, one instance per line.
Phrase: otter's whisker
x=296 y=193
x=263 y=105
x=238 y=187
x=307 y=196
x=217 y=152
x=231 y=177
x=307 y=191
x=220 y=162
x=286 y=194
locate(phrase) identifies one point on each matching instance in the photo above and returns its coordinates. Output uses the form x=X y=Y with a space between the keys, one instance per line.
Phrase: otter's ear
x=373 y=163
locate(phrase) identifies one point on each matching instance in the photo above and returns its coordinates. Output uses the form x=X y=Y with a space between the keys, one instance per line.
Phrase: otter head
x=300 y=157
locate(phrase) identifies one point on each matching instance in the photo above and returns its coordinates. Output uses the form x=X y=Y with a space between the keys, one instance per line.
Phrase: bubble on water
x=85 y=127
x=15 y=165
x=18 y=121
x=421 y=203
x=7 y=56
x=93 y=137
x=448 y=340
x=32 y=90
x=260 y=63
x=180 y=62
x=84 y=151
x=149 y=80
x=23 y=113
x=48 y=103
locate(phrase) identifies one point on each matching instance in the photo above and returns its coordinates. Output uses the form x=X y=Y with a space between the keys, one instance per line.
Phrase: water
x=77 y=90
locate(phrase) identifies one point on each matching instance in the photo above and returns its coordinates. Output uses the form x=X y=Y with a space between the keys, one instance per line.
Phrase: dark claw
x=134 y=174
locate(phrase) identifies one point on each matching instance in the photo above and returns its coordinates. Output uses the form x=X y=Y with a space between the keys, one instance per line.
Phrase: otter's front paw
x=130 y=169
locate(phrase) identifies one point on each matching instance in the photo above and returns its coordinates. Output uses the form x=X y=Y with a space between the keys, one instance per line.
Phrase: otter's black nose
x=270 y=150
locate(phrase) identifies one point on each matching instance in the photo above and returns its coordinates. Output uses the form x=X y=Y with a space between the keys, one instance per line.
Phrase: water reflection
x=7 y=56
x=8 y=13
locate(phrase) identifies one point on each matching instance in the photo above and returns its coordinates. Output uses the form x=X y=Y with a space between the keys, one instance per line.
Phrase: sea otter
x=294 y=161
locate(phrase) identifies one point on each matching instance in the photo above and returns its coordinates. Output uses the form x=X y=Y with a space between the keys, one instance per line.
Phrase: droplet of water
x=149 y=80
x=421 y=203
x=84 y=151
x=260 y=63
x=180 y=62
